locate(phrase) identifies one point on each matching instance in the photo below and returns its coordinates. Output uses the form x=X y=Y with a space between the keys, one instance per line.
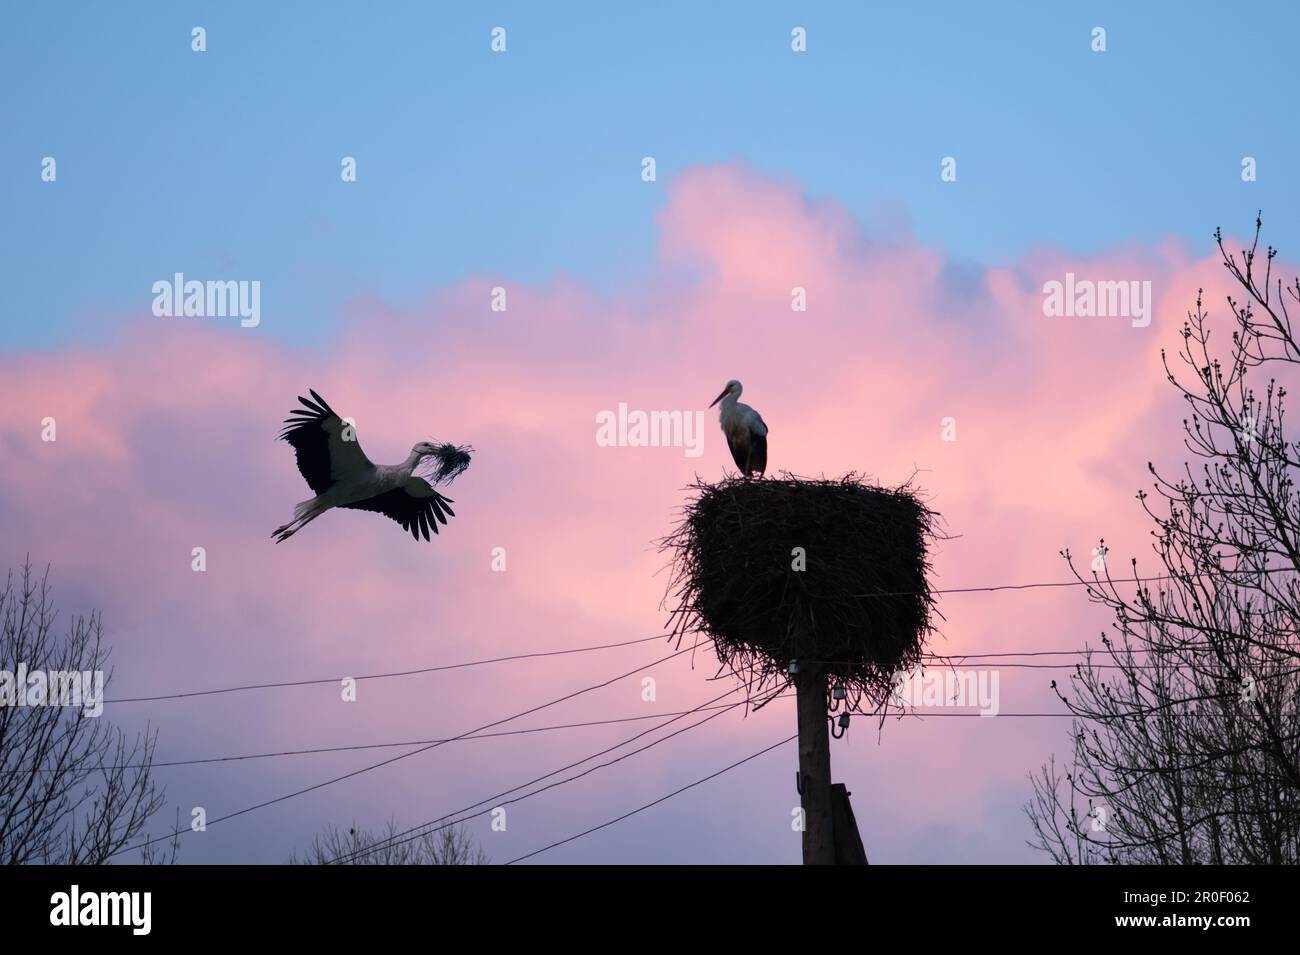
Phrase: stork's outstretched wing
x=326 y=446
x=415 y=505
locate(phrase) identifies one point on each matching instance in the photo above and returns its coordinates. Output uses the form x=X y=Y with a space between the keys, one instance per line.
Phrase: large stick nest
x=861 y=604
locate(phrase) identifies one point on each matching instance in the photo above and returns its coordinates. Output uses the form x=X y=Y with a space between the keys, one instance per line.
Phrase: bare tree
x=452 y=845
x=73 y=789
x=1187 y=749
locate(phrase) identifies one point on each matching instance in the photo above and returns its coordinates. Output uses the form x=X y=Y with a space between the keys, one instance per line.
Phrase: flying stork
x=745 y=430
x=338 y=471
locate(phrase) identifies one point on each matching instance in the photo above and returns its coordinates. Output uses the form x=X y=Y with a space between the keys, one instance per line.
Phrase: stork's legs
x=284 y=532
x=303 y=515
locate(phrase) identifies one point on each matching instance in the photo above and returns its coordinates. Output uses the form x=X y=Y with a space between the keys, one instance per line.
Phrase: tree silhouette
x=73 y=789
x=1189 y=750
x=452 y=845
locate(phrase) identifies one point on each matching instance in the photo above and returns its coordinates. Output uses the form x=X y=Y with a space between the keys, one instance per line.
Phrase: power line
x=400 y=756
x=950 y=659
x=560 y=726
x=918 y=714
x=676 y=792
x=609 y=646
x=574 y=694
x=397 y=743
x=1095 y=582
x=699 y=782
x=548 y=653
x=383 y=676
x=1028 y=653
x=1066 y=666
x=460 y=816
x=491 y=802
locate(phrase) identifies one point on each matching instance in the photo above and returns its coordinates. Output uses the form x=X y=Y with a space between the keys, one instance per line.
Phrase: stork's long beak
x=720 y=397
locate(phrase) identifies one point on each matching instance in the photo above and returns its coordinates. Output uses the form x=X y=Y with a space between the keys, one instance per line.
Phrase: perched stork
x=745 y=430
x=331 y=460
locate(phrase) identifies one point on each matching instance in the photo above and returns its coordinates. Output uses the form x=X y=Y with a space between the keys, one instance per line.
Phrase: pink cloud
x=166 y=442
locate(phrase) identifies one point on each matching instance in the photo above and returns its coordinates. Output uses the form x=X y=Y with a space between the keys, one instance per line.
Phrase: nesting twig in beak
x=448 y=462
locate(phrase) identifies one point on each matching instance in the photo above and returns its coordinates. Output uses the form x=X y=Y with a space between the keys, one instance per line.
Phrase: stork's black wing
x=415 y=505
x=758 y=453
x=326 y=446
x=739 y=453
x=758 y=446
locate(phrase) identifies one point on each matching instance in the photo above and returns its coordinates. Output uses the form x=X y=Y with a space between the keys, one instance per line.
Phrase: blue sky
x=527 y=164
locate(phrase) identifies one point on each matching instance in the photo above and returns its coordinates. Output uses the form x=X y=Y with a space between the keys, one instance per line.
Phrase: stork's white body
x=359 y=485
x=745 y=430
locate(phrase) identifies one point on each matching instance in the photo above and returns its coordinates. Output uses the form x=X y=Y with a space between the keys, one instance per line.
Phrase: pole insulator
x=843 y=723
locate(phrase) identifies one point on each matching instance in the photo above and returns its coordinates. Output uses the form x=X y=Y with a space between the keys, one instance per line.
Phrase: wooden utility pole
x=814 y=764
